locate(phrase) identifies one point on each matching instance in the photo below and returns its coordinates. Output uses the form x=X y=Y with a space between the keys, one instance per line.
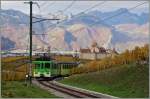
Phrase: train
x=45 y=67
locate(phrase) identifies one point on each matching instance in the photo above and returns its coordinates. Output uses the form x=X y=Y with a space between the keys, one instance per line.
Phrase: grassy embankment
x=17 y=89
x=122 y=81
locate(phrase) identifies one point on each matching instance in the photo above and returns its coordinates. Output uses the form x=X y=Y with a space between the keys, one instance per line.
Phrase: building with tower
x=96 y=52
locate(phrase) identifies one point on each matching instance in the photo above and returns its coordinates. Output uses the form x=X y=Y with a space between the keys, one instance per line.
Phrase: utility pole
x=30 y=68
x=30 y=33
x=30 y=55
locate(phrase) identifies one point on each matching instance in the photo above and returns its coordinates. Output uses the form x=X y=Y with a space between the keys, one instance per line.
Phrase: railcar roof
x=42 y=61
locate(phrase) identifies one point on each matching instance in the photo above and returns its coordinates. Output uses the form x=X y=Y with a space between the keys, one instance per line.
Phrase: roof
x=100 y=50
x=85 y=50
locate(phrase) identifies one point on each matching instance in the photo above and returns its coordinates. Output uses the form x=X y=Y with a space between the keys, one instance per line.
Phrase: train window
x=66 y=66
x=69 y=66
x=63 y=66
x=58 y=66
x=51 y=65
x=54 y=66
x=36 y=66
x=47 y=65
x=42 y=65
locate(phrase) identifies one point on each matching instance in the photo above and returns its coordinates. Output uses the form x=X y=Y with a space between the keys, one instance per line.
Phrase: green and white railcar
x=51 y=68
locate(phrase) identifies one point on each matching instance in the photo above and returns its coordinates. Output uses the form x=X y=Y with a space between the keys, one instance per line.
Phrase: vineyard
x=14 y=68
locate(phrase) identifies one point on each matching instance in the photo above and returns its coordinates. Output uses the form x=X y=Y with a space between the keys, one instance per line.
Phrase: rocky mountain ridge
x=128 y=29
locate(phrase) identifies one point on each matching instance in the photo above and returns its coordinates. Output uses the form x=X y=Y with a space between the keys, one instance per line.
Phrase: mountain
x=77 y=36
x=19 y=19
x=128 y=29
x=138 y=34
x=6 y=43
x=120 y=16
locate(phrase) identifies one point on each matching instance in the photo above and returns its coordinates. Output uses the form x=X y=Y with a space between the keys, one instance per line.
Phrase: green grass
x=128 y=81
x=17 y=89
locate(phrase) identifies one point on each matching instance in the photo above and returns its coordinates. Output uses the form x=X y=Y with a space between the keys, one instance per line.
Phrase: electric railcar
x=47 y=67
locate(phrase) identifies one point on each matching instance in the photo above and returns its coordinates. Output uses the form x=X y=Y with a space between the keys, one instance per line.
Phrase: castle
x=96 y=52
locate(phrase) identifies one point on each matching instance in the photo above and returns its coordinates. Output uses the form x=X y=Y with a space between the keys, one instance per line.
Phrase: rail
x=69 y=91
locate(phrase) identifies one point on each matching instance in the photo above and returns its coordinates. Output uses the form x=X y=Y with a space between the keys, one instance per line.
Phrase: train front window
x=47 y=65
x=37 y=66
x=42 y=65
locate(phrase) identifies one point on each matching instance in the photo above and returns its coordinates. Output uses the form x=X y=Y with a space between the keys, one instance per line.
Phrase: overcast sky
x=77 y=6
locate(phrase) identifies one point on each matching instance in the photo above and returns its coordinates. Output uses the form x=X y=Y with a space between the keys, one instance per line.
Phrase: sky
x=47 y=7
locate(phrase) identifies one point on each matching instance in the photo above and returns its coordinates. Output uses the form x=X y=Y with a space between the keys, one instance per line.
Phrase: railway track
x=66 y=90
